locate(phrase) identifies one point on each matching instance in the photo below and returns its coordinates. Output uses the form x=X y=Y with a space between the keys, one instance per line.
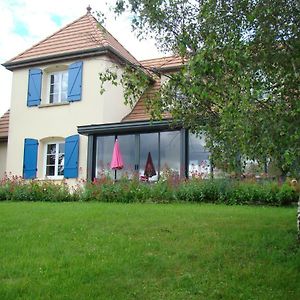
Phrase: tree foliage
x=240 y=83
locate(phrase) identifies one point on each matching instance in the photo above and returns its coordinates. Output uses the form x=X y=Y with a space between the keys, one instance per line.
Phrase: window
x=58 y=87
x=55 y=84
x=199 y=164
x=149 y=147
x=163 y=148
x=170 y=152
x=55 y=153
x=105 y=145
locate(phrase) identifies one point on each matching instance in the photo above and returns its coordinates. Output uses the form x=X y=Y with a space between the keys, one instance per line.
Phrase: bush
x=127 y=191
x=236 y=192
x=167 y=190
x=17 y=189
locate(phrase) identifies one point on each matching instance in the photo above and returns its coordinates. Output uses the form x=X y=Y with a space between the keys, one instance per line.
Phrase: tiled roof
x=82 y=34
x=139 y=111
x=4 y=122
x=163 y=62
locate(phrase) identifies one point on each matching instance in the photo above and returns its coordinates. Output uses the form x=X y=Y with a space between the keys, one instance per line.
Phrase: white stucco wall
x=53 y=122
x=3 y=152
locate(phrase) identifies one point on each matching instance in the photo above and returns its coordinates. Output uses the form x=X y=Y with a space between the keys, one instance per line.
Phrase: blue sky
x=57 y=19
x=26 y=22
x=20 y=28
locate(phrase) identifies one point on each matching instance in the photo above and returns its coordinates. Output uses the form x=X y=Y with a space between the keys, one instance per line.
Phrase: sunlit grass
x=147 y=251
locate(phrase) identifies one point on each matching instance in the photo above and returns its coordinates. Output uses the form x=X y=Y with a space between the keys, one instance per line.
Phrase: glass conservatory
x=172 y=150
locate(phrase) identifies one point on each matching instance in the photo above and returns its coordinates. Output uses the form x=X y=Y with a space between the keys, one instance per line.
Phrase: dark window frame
x=138 y=127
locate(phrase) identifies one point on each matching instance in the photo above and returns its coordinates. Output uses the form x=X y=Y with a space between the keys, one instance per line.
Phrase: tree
x=240 y=81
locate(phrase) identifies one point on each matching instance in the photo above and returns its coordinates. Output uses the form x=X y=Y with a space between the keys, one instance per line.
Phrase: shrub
x=167 y=190
x=17 y=189
x=236 y=192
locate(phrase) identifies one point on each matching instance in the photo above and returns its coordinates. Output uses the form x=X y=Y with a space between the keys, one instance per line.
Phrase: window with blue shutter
x=71 y=156
x=75 y=81
x=30 y=158
x=34 y=87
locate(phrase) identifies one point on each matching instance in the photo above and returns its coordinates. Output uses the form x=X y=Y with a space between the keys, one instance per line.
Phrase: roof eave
x=12 y=65
x=127 y=127
x=171 y=68
x=54 y=58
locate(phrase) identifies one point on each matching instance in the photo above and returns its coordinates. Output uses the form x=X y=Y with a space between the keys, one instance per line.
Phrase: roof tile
x=4 y=123
x=83 y=33
x=164 y=62
x=139 y=111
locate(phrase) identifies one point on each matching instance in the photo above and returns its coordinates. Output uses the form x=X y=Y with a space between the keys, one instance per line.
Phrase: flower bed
x=164 y=191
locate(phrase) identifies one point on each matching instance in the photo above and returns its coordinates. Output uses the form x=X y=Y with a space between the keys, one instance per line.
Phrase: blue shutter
x=34 y=87
x=74 y=81
x=71 y=156
x=30 y=158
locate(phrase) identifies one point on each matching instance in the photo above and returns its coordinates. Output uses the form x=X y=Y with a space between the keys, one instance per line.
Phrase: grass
x=147 y=251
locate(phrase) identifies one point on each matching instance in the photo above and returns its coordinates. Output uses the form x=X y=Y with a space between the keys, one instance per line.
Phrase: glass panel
x=50 y=170
x=128 y=150
x=51 y=149
x=148 y=144
x=61 y=162
x=56 y=77
x=199 y=165
x=61 y=159
x=170 y=153
x=56 y=87
x=50 y=159
x=64 y=81
x=60 y=171
x=64 y=96
x=61 y=148
x=64 y=86
x=104 y=150
x=56 y=98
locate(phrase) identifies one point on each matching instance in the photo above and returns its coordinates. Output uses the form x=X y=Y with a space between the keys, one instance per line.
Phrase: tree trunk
x=298 y=219
x=282 y=177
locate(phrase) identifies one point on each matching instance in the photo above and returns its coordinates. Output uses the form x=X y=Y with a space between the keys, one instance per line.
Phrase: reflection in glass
x=170 y=152
x=164 y=149
x=50 y=170
x=104 y=150
x=58 y=87
x=199 y=165
x=55 y=159
x=128 y=150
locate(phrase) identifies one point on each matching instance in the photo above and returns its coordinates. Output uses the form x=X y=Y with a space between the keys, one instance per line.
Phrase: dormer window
x=58 y=87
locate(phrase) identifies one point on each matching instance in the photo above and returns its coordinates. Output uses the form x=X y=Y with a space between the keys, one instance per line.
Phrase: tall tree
x=240 y=81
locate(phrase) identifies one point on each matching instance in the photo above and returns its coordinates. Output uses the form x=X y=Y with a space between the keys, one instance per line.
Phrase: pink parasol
x=116 y=160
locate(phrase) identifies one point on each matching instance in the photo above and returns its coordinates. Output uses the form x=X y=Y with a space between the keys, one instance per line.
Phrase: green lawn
x=147 y=251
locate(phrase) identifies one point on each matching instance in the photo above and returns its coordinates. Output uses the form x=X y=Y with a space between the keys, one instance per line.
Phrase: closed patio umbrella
x=149 y=168
x=116 y=160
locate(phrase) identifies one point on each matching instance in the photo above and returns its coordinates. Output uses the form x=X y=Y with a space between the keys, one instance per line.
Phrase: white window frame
x=60 y=73
x=55 y=176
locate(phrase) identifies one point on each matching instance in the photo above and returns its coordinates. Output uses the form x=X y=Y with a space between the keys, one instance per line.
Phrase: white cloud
x=36 y=16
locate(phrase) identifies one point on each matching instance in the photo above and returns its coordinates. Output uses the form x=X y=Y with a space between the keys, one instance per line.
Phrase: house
x=3 y=142
x=60 y=126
